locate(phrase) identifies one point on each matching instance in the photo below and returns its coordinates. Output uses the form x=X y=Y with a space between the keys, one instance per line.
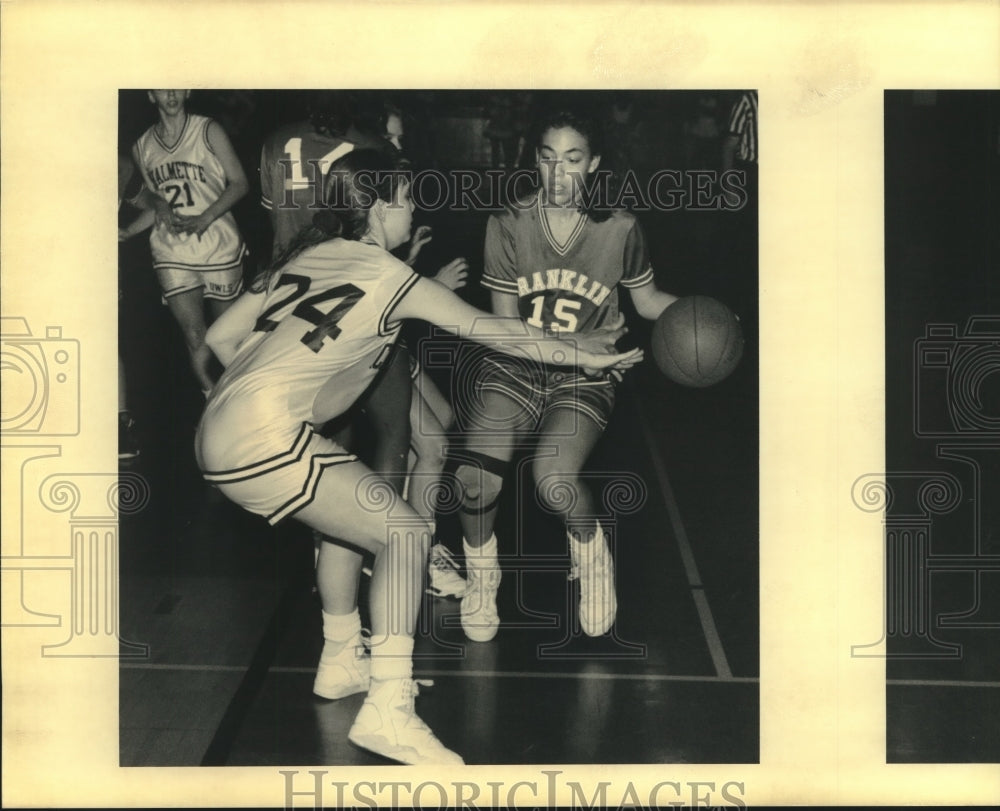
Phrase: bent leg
x=388 y=407
x=429 y=442
x=385 y=526
x=559 y=486
x=561 y=490
x=188 y=311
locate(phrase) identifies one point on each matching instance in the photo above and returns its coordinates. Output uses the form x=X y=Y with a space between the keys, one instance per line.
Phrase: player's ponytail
x=353 y=185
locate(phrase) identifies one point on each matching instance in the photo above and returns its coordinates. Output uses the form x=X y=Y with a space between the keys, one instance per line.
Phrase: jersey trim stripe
x=202 y=268
x=280 y=460
x=204 y=135
x=562 y=250
x=383 y=322
x=643 y=278
x=180 y=138
x=307 y=494
x=500 y=285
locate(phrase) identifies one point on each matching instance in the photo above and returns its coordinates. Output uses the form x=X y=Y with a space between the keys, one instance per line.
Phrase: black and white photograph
x=560 y=536
x=499 y=405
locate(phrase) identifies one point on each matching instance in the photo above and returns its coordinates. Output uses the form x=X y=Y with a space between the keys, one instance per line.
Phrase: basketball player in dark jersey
x=556 y=259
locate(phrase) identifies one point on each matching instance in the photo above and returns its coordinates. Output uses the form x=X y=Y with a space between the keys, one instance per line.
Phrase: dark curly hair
x=600 y=188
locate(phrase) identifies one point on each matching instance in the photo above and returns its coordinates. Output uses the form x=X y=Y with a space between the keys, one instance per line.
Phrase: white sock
x=392 y=657
x=483 y=557
x=588 y=550
x=338 y=630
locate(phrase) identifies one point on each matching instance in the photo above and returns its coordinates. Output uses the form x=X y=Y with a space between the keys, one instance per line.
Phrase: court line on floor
x=527 y=674
x=939 y=683
x=463 y=674
x=708 y=625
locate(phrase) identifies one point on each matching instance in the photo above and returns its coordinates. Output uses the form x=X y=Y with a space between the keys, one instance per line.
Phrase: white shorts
x=223 y=285
x=283 y=483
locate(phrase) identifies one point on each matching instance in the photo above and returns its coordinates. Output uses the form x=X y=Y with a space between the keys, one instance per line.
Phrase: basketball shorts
x=223 y=285
x=282 y=484
x=540 y=390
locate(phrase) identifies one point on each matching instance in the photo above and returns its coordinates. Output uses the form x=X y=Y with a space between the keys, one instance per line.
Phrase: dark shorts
x=540 y=390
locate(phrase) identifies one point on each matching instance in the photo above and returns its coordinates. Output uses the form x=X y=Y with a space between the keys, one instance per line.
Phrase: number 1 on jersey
x=298 y=180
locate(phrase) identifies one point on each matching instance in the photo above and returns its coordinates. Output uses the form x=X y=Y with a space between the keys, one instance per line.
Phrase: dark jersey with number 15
x=570 y=287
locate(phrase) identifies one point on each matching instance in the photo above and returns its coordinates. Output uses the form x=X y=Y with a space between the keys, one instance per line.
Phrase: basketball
x=697 y=341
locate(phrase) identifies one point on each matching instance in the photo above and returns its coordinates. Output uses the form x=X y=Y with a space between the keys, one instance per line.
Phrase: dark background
x=942 y=317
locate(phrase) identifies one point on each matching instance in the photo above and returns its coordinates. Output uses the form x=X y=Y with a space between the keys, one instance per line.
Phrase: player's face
x=398 y=218
x=170 y=102
x=564 y=162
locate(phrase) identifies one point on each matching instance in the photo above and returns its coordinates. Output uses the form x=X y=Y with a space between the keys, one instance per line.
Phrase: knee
x=411 y=540
x=432 y=451
x=480 y=489
x=558 y=491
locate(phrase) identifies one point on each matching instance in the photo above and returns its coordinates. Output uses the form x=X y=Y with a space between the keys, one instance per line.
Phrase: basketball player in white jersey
x=299 y=348
x=403 y=407
x=189 y=164
x=556 y=259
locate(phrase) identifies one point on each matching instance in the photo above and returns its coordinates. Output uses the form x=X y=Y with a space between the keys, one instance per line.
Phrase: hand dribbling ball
x=697 y=341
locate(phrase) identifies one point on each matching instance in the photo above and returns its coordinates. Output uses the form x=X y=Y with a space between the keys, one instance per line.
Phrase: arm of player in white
x=436 y=304
x=650 y=301
x=144 y=220
x=230 y=329
x=504 y=304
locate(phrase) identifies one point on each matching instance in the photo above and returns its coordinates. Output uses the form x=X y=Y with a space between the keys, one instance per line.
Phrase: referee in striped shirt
x=739 y=146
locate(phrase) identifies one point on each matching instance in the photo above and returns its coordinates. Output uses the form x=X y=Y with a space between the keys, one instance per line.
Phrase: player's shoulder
x=618 y=221
x=276 y=139
x=366 y=259
x=201 y=122
x=146 y=136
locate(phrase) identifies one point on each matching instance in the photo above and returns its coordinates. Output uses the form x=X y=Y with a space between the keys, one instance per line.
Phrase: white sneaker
x=480 y=620
x=388 y=725
x=596 y=572
x=344 y=674
x=443 y=577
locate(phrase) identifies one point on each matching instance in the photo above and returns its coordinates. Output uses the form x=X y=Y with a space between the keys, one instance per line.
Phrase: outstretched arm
x=436 y=304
